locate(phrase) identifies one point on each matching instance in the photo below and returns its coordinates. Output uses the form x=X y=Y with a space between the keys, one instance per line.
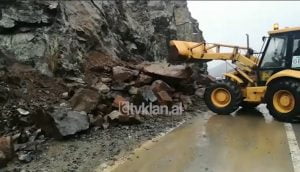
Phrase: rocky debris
x=143 y=80
x=89 y=149
x=200 y=92
x=205 y=79
x=119 y=101
x=99 y=62
x=101 y=87
x=186 y=101
x=75 y=79
x=3 y=160
x=122 y=74
x=133 y=90
x=84 y=100
x=120 y=86
x=147 y=94
x=164 y=98
x=60 y=122
x=30 y=146
x=23 y=111
x=61 y=108
x=97 y=121
x=25 y=157
x=94 y=96
x=160 y=85
x=117 y=116
x=4 y=94
x=104 y=108
x=105 y=125
x=106 y=80
x=28 y=90
x=65 y=95
x=6 y=150
x=167 y=70
x=23 y=145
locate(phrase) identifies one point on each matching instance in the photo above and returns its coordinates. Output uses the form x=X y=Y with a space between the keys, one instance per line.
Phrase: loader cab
x=282 y=51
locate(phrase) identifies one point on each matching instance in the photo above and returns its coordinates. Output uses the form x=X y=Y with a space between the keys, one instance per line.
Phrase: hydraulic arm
x=192 y=51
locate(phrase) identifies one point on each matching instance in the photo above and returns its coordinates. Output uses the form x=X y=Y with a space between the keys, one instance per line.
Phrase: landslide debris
x=36 y=107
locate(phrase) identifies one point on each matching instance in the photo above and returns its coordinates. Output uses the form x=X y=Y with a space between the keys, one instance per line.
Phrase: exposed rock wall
x=55 y=35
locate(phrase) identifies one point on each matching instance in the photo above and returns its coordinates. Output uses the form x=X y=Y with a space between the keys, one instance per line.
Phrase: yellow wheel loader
x=271 y=76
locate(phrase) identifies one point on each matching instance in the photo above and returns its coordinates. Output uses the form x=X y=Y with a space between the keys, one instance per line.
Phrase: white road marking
x=293 y=145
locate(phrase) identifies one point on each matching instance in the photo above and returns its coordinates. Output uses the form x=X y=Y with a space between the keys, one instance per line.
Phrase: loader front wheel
x=223 y=97
x=283 y=100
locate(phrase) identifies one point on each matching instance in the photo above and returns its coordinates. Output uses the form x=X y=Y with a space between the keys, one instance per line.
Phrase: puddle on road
x=247 y=141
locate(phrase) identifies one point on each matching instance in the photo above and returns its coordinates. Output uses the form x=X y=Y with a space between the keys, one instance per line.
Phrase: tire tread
x=291 y=85
x=236 y=96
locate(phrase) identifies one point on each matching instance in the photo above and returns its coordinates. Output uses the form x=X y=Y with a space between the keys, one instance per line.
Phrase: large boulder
x=143 y=80
x=160 y=85
x=167 y=70
x=122 y=74
x=164 y=98
x=61 y=121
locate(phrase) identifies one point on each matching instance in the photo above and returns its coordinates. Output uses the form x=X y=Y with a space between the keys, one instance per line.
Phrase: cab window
x=296 y=53
x=275 y=53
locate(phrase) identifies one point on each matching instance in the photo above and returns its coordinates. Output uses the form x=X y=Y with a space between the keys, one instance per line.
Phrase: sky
x=229 y=21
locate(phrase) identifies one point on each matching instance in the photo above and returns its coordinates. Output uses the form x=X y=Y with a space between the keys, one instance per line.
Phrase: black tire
x=290 y=85
x=248 y=105
x=232 y=88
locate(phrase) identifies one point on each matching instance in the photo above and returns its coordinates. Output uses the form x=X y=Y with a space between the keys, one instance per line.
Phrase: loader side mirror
x=264 y=38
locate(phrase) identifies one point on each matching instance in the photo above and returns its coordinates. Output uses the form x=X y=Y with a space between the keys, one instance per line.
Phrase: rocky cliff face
x=55 y=35
x=93 y=49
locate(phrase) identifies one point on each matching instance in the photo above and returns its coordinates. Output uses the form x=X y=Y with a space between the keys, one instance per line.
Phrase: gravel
x=85 y=151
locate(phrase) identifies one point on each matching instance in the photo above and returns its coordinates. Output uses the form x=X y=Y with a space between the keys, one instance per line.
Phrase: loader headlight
x=275 y=26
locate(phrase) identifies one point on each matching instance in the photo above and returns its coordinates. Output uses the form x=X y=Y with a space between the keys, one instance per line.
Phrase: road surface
x=247 y=141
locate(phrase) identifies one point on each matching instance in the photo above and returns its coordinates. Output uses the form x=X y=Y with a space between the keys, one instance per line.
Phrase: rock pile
x=36 y=107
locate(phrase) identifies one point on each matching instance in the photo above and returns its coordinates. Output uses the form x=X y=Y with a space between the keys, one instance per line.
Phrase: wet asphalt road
x=247 y=141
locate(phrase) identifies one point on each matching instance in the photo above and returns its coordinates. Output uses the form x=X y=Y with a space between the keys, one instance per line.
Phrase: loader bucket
x=183 y=51
x=174 y=56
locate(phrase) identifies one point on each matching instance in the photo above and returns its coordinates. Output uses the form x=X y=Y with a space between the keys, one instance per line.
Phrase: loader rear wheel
x=223 y=97
x=283 y=100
